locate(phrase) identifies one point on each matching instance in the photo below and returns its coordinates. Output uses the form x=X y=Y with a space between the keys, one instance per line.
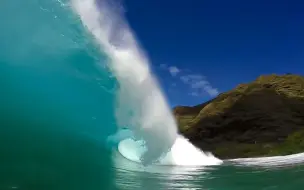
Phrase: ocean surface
x=80 y=110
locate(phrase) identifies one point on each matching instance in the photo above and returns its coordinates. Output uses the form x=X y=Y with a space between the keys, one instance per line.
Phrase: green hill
x=261 y=118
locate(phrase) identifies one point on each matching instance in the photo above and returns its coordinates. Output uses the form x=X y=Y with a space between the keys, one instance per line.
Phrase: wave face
x=56 y=100
x=141 y=105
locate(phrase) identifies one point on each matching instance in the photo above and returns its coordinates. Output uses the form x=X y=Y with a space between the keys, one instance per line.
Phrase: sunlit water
x=66 y=93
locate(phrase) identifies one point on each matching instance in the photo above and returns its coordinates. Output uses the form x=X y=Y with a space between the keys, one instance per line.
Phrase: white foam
x=271 y=161
x=141 y=105
x=182 y=153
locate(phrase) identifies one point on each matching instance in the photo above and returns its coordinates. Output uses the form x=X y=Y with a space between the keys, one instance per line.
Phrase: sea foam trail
x=270 y=161
x=141 y=105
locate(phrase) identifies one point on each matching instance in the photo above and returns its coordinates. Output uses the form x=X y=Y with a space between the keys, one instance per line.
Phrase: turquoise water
x=57 y=110
x=56 y=105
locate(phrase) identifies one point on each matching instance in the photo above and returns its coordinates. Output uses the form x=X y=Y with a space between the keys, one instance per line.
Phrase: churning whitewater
x=141 y=106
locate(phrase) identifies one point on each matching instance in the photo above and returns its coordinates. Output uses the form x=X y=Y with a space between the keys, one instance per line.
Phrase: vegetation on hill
x=261 y=118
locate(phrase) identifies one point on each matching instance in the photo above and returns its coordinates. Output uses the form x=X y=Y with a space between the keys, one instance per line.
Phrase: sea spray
x=141 y=106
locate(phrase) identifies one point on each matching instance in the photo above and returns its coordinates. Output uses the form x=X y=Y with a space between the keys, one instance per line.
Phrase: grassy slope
x=272 y=95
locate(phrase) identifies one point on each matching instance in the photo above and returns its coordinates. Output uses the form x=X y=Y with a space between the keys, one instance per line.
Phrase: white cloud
x=193 y=94
x=190 y=78
x=174 y=70
x=198 y=84
x=211 y=91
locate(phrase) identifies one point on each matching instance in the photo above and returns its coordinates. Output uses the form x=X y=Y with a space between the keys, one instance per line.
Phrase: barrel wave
x=141 y=106
x=79 y=107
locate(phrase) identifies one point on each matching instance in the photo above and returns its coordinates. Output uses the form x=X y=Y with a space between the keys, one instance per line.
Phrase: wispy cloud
x=174 y=70
x=198 y=84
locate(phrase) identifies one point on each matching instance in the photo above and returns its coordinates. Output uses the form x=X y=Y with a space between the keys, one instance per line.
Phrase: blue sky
x=199 y=48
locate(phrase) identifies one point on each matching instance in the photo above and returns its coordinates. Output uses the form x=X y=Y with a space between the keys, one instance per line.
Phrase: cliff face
x=261 y=118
